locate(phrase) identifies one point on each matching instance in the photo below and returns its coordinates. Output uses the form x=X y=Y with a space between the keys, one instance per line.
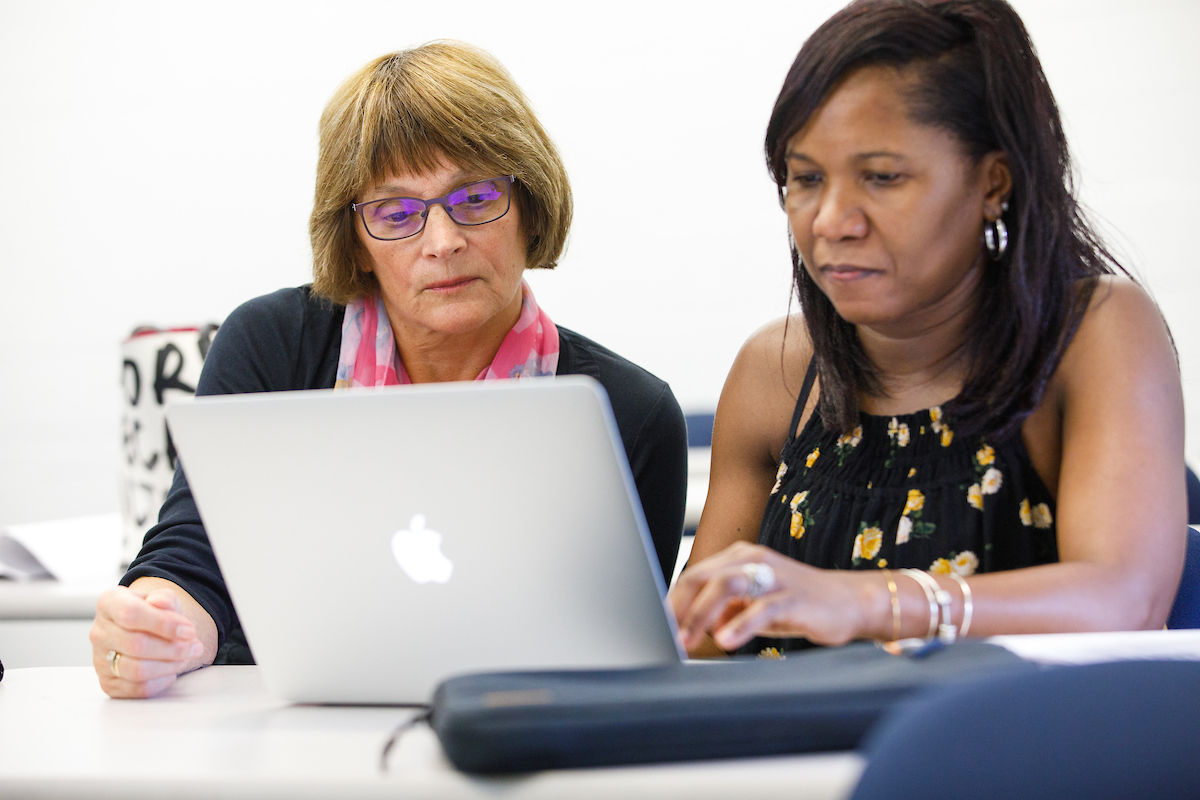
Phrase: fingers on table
x=123 y=686
x=724 y=591
x=138 y=645
x=696 y=578
x=134 y=676
x=754 y=619
x=166 y=600
x=154 y=643
x=130 y=612
x=133 y=668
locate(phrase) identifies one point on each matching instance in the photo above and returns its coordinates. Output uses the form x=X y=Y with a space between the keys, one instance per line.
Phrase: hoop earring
x=797 y=259
x=995 y=239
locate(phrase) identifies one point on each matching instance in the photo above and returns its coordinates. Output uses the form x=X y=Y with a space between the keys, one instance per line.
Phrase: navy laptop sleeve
x=815 y=700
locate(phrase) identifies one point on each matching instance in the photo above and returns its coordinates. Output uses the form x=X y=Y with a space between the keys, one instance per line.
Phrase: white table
x=218 y=733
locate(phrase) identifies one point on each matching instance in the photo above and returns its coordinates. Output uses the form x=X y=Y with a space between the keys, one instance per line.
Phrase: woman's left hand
x=825 y=606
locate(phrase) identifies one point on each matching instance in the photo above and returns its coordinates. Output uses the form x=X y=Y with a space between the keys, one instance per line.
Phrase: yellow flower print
x=797 y=526
x=904 y=530
x=893 y=428
x=1042 y=518
x=902 y=437
x=770 y=652
x=912 y=472
x=935 y=414
x=812 y=457
x=947 y=436
x=940 y=567
x=915 y=502
x=985 y=456
x=779 y=476
x=991 y=481
x=881 y=563
x=975 y=497
x=851 y=439
x=867 y=543
x=965 y=563
x=1026 y=515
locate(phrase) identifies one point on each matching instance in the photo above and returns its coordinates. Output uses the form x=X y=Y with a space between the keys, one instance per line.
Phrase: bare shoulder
x=764 y=383
x=776 y=355
x=1122 y=333
x=1119 y=296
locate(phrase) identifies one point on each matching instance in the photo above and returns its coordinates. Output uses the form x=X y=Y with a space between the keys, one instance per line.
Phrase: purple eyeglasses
x=475 y=203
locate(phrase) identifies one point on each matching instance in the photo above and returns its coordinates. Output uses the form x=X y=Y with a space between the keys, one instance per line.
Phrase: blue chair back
x=700 y=428
x=1121 y=730
x=1186 y=611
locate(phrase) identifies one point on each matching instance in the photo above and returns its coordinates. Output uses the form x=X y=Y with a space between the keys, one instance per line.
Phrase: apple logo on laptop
x=418 y=551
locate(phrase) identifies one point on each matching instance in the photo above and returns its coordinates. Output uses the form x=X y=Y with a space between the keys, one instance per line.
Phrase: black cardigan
x=291 y=339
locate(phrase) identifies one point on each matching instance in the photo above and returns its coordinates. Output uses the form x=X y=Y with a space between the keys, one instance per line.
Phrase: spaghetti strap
x=805 y=388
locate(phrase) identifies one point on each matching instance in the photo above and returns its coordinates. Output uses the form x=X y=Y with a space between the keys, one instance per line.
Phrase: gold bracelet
x=894 y=595
x=921 y=578
x=968 y=603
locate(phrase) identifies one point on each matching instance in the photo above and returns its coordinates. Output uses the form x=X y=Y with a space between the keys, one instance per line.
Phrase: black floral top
x=905 y=491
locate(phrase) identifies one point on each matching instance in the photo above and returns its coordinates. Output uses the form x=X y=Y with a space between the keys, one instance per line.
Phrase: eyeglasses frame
x=509 y=180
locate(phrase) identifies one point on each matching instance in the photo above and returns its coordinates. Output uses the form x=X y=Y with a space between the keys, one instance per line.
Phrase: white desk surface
x=218 y=733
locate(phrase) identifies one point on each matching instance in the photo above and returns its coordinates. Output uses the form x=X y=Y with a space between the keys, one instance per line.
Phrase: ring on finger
x=114 y=659
x=760 y=579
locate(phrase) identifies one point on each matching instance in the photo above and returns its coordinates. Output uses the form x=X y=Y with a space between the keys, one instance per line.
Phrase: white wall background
x=156 y=165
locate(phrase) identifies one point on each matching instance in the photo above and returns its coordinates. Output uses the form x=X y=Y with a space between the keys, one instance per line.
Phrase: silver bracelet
x=923 y=580
x=968 y=603
x=946 y=632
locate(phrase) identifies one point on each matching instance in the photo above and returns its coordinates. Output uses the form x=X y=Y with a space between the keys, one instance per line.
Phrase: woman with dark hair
x=976 y=427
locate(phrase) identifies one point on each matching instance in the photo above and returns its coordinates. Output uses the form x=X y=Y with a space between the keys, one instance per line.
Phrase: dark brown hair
x=978 y=77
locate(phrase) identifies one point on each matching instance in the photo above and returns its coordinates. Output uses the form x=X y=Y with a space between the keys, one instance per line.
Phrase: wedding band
x=113 y=658
x=761 y=579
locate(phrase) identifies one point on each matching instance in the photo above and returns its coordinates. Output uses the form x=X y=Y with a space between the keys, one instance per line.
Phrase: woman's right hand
x=829 y=607
x=149 y=625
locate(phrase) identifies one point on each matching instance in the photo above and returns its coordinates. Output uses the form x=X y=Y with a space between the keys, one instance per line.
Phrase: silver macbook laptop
x=378 y=541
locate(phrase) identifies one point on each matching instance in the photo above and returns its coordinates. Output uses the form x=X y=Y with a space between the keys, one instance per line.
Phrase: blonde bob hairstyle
x=404 y=113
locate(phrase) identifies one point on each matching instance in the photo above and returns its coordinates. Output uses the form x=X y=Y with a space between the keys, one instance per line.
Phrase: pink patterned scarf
x=369 y=357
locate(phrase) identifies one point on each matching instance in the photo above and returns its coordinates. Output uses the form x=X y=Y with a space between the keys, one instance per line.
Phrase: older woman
x=436 y=189
x=977 y=425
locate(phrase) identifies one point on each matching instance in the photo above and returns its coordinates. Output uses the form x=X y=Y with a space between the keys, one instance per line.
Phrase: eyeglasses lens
x=395 y=218
x=478 y=203
x=473 y=204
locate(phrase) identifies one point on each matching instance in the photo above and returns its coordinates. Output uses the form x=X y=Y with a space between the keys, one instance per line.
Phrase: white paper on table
x=17 y=563
x=1095 y=648
x=72 y=550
